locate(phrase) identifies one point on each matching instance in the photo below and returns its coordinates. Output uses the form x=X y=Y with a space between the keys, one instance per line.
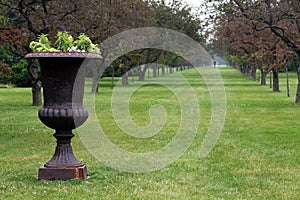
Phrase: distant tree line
x=256 y=36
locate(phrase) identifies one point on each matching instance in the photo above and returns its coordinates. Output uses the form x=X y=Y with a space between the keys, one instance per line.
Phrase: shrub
x=5 y=74
x=20 y=76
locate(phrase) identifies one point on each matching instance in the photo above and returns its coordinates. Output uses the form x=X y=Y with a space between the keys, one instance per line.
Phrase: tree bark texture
x=253 y=74
x=275 y=81
x=163 y=71
x=287 y=82
x=125 y=79
x=298 y=88
x=112 y=78
x=263 y=77
x=154 y=71
x=271 y=81
x=96 y=78
x=36 y=83
x=141 y=74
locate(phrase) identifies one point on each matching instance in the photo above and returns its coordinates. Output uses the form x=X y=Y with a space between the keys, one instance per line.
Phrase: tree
x=100 y=20
x=34 y=17
x=277 y=19
x=177 y=16
x=10 y=38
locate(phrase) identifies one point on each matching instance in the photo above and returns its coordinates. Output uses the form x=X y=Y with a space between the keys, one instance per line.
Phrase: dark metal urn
x=62 y=76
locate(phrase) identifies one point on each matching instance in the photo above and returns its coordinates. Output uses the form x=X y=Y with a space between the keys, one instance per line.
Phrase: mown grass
x=256 y=157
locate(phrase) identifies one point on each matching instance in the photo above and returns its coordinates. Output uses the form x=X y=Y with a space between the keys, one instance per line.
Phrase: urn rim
x=63 y=55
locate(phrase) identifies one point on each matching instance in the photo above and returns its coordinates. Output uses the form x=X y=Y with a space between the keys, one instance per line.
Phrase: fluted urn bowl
x=62 y=76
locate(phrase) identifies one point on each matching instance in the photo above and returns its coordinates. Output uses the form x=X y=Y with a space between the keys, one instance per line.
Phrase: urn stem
x=63 y=156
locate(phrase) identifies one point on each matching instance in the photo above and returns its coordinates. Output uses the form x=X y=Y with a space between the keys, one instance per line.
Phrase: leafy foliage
x=101 y=20
x=64 y=43
x=42 y=45
x=5 y=59
x=11 y=36
x=5 y=74
x=19 y=74
x=84 y=43
x=4 y=19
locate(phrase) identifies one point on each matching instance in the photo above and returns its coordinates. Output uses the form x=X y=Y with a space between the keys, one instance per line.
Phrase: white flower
x=73 y=49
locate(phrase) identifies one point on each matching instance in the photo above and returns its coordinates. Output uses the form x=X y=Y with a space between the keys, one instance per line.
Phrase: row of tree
x=23 y=20
x=257 y=35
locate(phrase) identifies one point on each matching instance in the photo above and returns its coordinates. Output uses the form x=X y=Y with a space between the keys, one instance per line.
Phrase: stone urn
x=62 y=76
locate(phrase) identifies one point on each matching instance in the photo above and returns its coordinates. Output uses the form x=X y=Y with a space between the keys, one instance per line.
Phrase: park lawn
x=256 y=157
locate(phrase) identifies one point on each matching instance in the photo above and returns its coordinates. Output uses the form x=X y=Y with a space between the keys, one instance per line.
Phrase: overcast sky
x=193 y=2
x=190 y=2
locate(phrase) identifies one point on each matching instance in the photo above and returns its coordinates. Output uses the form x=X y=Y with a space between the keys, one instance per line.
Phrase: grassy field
x=256 y=157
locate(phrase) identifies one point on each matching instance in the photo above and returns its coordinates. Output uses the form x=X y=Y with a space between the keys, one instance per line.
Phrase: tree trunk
x=253 y=74
x=271 y=83
x=275 y=81
x=36 y=94
x=95 y=88
x=263 y=77
x=35 y=82
x=96 y=78
x=132 y=74
x=125 y=79
x=298 y=88
x=142 y=73
x=163 y=71
x=287 y=82
x=141 y=76
x=242 y=70
x=97 y=70
x=154 y=68
x=112 y=78
x=248 y=71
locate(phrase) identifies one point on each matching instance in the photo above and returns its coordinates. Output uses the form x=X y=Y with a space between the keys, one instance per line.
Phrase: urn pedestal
x=62 y=76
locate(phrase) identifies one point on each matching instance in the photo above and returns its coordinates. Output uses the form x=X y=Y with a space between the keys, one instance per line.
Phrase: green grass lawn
x=256 y=157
